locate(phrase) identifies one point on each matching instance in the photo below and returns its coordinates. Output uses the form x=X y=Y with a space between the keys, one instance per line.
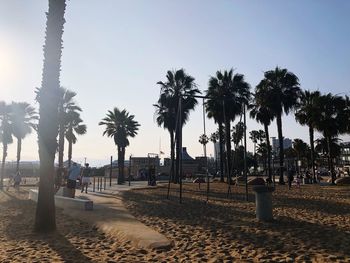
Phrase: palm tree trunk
x=4 y=155
x=60 y=145
x=228 y=151
x=221 y=141
x=330 y=161
x=45 y=218
x=178 y=152
x=70 y=152
x=19 y=149
x=121 y=156
x=266 y=128
x=172 y=156
x=312 y=147
x=281 y=150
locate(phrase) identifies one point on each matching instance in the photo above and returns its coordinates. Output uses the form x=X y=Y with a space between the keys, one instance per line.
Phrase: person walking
x=290 y=178
x=17 y=180
x=74 y=173
x=85 y=178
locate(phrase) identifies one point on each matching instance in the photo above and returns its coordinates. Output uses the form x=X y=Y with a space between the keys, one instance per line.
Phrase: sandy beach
x=312 y=224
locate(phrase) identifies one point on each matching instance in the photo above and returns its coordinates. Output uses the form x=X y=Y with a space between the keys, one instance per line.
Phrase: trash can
x=263 y=202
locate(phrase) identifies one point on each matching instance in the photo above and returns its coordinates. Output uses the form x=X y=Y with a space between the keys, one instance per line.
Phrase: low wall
x=65 y=202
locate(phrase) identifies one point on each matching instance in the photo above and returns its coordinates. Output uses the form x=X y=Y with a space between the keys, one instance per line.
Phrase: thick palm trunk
x=4 y=155
x=70 y=153
x=221 y=141
x=19 y=149
x=228 y=151
x=312 y=147
x=178 y=153
x=60 y=145
x=172 y=156
x=281 y=150
x=121 y=156
x=329 y=157
x=45 y=219
x=266 y=128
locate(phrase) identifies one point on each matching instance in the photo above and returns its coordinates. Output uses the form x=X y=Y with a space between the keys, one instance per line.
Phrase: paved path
x=111 y=217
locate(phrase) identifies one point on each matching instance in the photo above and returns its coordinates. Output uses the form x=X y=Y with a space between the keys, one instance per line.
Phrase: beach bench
x=65 y=202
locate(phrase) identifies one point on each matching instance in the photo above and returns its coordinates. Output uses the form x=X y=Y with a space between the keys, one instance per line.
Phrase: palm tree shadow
x=230 y=219
x=17 y=230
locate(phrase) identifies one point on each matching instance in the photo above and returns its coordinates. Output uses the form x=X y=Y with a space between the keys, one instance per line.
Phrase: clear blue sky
x=115 y=52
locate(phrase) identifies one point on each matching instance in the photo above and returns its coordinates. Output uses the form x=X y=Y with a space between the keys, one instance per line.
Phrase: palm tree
x=234 y=93
x=5 y=135
x=237 y=133
x=322 y=147
x=301 y=149
x=281 y=88
x=262 y=114
x=74 y=126
x=214 y=109
x=307 y=114
x=66 y=104
x=255 y=136
x=332 y=121
x=45 y=218
x=178 y=86
x=120 y=125
x=166 y=116
x=23 y=119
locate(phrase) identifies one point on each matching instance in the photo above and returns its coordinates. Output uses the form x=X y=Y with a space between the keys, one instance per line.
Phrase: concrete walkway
x=112 y=218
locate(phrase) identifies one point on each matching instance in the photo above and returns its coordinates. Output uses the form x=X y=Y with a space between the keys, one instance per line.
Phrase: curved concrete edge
x=145 y=238
x=112 y=218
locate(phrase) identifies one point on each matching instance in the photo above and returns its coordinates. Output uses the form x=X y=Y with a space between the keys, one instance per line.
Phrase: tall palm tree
x=178 y=85
x=66 y=105
x=332 y=121
x=120 y=125
x=262 y=114
x=45 y=218
x=5 y=135
x=281 y=87
x=166 y=116
x=307 y=113
x=214 y=109
x=23 y=121
x=234 y=93
x=74 y=126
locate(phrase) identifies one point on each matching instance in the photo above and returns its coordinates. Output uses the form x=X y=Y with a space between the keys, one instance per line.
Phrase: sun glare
x=7 y=66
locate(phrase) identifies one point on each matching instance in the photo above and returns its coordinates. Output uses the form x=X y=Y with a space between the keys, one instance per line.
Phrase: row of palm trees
x=19 y=119
x=227 y=96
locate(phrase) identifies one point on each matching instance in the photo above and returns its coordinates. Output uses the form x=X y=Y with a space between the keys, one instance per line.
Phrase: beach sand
x=312 y=224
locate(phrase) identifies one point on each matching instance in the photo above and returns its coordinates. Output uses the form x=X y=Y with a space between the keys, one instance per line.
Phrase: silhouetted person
x=74 y=173
x=85 y=178
x=290 y=179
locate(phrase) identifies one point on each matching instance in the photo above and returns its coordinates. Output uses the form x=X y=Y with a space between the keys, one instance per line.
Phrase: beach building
x=287 y=143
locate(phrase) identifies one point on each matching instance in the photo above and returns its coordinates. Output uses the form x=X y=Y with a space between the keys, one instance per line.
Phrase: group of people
x=76 y=174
